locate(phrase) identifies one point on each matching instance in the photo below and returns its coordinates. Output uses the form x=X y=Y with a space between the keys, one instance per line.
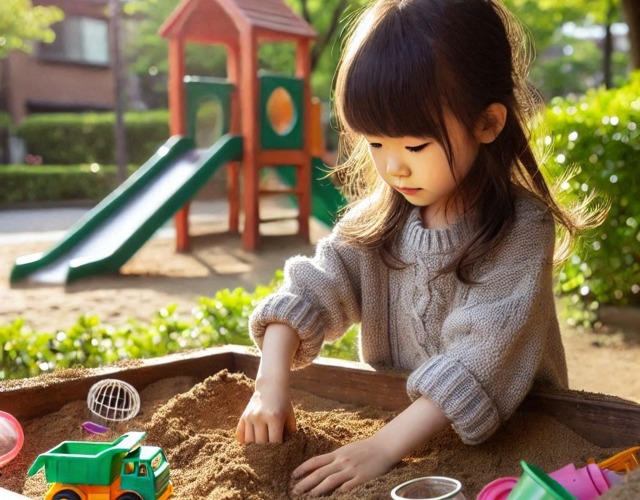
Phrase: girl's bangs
x=390 y=88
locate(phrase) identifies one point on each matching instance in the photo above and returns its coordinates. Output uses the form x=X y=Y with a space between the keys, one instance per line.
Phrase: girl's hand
x=343 y=469
x=267 y=416
x=355 y=463
x=270 y=412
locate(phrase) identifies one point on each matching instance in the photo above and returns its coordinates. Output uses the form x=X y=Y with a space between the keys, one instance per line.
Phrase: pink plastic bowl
x=11 y=438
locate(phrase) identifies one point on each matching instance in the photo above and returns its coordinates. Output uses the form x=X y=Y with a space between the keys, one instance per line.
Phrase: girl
x=446 y=256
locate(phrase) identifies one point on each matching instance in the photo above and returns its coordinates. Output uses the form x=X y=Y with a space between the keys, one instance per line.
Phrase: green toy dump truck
x=121 y=470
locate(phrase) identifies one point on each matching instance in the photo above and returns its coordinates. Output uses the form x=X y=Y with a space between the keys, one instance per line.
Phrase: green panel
x=200 y=89
x=326 y=198
x=293 y=138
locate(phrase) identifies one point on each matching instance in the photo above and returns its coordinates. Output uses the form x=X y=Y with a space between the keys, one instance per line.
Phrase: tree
x=631 y=9
x=22 y=24
x=544 y=18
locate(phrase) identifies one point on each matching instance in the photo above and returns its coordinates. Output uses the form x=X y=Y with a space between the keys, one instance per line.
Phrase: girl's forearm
x=279 y=346
x=416 y=425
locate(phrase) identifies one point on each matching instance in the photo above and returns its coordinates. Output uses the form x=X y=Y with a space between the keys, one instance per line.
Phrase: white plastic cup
x=429 y=488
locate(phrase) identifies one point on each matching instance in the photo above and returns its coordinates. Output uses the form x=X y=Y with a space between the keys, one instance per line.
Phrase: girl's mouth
x=408 y=191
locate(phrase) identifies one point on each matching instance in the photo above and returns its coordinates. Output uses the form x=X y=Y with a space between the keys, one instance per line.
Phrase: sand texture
x=195 y=425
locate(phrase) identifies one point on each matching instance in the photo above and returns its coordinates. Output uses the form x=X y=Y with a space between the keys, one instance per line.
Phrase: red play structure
x=241 y=25
x=267 y=121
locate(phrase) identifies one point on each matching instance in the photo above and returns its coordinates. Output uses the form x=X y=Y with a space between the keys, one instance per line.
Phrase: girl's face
x=418 y=167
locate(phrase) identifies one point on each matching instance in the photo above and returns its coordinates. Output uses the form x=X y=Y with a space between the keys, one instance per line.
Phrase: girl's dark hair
x=405 y=63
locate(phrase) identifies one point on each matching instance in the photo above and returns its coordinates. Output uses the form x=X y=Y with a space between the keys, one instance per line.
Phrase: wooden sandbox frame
x=606 y=421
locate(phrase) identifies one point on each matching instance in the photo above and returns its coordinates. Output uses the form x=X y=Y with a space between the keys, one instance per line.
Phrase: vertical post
x=177 y=126
x=235 y=127
x=303 y=184
x=251 y=138
x=119 y=92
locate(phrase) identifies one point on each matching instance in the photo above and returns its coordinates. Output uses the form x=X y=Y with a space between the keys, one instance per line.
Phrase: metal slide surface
x=116 y=228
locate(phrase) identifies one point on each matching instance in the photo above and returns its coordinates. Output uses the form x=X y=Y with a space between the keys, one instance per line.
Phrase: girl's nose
x=396 y=167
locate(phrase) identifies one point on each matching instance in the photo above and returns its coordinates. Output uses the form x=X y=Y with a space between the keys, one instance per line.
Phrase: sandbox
x=191 y=403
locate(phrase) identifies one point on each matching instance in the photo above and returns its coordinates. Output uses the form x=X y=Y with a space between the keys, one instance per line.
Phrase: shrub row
x=75 y=138
x=598 y=135
x=31 y=183
x=218 y=320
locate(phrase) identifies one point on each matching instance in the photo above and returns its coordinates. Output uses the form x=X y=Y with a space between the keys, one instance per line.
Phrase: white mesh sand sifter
x=113 y=400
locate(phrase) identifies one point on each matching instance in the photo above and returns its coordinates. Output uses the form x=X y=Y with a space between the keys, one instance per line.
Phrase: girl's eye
x=375 y=145
x=416 y=149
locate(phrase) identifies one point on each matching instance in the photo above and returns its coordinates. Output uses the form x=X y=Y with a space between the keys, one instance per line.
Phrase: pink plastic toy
x=11 y=438
x=586 y=483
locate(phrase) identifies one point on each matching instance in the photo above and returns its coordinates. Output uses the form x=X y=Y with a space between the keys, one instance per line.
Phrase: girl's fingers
x=331 y=483
x=261 y=432
x=290 y=424
x=249 y=436
x=240 y=431
x=275 y=431
x=311 y=465
x=323 y=480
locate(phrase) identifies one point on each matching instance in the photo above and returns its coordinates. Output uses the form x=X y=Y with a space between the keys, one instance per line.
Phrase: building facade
x=74 y=73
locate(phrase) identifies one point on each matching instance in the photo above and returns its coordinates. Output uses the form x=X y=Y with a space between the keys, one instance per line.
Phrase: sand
x=195 y=426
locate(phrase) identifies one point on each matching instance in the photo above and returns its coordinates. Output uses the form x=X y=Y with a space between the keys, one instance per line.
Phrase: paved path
x=33 y=225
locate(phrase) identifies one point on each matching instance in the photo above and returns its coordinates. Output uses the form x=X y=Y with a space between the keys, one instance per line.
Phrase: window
x=80 y=40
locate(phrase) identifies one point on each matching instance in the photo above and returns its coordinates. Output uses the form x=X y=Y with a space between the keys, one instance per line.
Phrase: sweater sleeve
x=319 y=299
x=493 y=341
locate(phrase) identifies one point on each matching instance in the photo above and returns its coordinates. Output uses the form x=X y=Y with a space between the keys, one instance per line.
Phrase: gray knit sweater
x=475 y=350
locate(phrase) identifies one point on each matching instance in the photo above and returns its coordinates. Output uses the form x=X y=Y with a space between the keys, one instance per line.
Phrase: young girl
x=446 y=256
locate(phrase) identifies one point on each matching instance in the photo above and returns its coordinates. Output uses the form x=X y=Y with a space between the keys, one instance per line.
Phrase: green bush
x=75 y=138
x=598 y=134
x=218 y=320
x=31 y=183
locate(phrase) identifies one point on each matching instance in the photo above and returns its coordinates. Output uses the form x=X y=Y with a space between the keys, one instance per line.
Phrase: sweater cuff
x=296 y=312
x=456 y=391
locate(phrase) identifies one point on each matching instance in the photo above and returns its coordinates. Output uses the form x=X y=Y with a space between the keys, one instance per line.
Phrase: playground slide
x=115 y=229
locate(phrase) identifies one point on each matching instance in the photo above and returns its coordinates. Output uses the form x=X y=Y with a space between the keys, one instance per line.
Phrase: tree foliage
x=22 y=23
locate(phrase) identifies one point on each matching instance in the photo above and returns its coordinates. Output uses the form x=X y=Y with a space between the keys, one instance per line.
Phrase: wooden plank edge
x=53 y=391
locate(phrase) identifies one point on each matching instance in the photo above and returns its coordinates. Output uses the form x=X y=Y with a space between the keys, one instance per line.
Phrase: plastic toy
x=535 y=484
x=11 y=438
x=121 y=470
x=93 y=428
x=430 y=487
x=625 y=461
x=586 y=483
x=113 y=400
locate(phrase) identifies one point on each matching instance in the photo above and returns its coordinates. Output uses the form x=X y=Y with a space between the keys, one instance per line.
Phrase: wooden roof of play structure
x=218 y=21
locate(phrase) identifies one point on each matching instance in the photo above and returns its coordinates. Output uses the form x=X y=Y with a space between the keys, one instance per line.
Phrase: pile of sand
x=195 y=425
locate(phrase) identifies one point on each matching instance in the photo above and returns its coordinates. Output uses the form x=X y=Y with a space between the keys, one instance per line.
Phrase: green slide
x=117 y=227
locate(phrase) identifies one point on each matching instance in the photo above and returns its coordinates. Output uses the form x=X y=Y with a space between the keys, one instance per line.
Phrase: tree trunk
x=119 y=92
x=631 y=10
x=607 y=56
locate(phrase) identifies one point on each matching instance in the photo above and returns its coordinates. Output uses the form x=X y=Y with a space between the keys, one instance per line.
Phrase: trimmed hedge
x=218 y=320
x=30 y=183
x=598 y=134
x=75 y=138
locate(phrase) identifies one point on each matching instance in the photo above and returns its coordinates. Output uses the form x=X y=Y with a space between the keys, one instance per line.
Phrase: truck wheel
x=66 y=495
x=129 y=496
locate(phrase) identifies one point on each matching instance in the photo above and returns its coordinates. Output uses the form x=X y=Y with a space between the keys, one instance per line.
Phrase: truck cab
x=145 y=471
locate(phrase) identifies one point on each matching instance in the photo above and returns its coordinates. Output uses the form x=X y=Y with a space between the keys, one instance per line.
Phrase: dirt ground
x=605 y=362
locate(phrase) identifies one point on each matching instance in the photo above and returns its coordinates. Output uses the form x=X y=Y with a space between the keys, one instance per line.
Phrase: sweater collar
x=416 y=240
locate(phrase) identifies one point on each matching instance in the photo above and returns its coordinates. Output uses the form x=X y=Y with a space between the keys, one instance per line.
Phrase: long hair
x=406 y=62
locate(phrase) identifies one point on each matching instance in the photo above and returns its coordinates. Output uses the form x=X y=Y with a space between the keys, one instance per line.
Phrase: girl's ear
x=491 y=123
